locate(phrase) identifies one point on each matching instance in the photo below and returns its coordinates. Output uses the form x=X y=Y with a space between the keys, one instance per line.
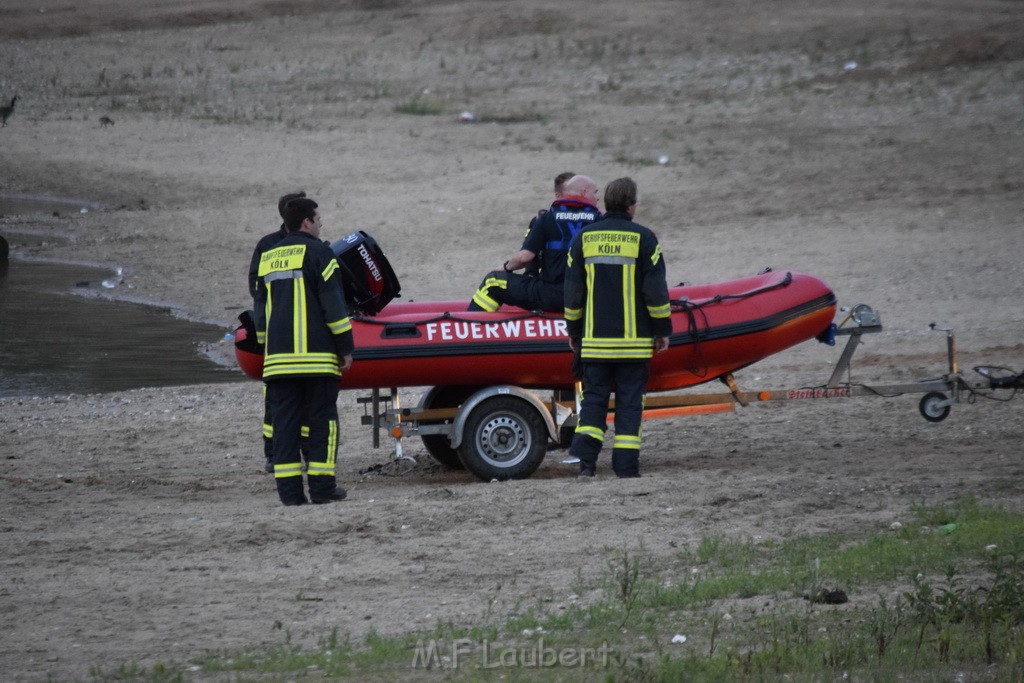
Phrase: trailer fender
x=459 y=426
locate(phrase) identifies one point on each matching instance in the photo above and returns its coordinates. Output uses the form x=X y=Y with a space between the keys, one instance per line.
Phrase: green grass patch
x=943 y=593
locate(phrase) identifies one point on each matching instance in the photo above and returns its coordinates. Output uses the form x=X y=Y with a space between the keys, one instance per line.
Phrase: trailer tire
x=438 y=445
x=440 y=448
x=505 y=438
x=930 y=408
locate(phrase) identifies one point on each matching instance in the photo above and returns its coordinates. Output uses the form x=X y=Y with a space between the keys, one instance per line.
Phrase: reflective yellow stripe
x=326 y=469
x=617 y=349
x=617 y=354
x=299 y=341
x=268 y=431
x=627 y=441
x=323 y=357
x=300 y=364
x=573 y=314
x=611 y=343
x=499 y=282
x=332 y=442
x=300 y=370
x=656 y=256
x=660 y=311
x=329 y=270
x=628 y=302
x=485 y=302
x=483 y=298
x=592 y=432
x=290 y=469
x=588 y=323
x=340 y=326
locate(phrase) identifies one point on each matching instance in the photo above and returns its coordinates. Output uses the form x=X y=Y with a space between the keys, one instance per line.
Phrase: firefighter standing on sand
x=266 y=243
x=303 y=321
x=618 y=315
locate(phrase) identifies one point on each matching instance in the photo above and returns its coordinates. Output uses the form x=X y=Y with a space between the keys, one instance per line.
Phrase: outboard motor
x=369 y=282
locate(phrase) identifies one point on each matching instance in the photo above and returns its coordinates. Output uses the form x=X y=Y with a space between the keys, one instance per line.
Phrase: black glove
x=249 y=343
x=577 y=360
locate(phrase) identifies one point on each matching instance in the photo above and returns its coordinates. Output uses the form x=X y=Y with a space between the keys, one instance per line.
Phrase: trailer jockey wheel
x=505 y=438
x=932 y=408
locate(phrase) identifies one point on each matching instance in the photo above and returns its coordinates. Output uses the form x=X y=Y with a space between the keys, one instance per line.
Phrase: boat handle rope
x=699 y=368
x=690 y=308
x=449 y=316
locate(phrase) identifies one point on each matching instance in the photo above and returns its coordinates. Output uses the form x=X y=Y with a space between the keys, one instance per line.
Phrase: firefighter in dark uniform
x=266 y=243
x=543 y=254
x=303 y=321
x=533 y=267
x=617 y=314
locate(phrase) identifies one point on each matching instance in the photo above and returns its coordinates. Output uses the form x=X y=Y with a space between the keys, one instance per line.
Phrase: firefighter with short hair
x=303 y=321
x=618 y=315
x=543 y=253
x=266 y=243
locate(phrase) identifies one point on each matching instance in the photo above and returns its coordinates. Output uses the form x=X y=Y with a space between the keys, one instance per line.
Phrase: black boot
x=333 y=497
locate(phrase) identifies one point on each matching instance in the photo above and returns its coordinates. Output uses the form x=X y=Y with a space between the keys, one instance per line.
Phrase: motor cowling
x=367 y=278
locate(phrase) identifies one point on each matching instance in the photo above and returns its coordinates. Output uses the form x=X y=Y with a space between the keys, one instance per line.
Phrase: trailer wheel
x=440 y=449
x=438 y=445
x=505 y=438
x=931 y=409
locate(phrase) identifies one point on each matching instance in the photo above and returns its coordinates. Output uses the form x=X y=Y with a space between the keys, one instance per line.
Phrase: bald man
x=547 y=245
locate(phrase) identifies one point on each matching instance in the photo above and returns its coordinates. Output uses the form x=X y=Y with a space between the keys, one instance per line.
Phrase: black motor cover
x=366 y=275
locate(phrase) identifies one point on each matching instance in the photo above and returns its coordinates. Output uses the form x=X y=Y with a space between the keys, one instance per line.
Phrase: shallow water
x=53 y=341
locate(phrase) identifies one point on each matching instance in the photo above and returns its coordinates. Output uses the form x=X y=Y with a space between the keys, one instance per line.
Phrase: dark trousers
x=629 y=382
x=294 y=402
x=268 y=430
x=522 y=291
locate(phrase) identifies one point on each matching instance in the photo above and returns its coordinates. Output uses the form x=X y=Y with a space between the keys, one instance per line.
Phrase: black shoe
x=293 y=503
x=269 y=467
x=333 y=497
x=586 y=471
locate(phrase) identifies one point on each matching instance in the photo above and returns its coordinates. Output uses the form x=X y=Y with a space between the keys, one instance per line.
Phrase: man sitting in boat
x=559 y=188
x=547 y=242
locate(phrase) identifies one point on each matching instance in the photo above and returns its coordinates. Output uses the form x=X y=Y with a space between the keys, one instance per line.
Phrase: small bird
x=106 y=121
x=6 y=111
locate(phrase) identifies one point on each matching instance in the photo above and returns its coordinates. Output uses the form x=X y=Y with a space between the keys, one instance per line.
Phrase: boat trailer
x=503 y=432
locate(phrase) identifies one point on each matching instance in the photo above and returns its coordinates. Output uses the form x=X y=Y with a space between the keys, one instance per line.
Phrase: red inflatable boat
x=717 y=328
